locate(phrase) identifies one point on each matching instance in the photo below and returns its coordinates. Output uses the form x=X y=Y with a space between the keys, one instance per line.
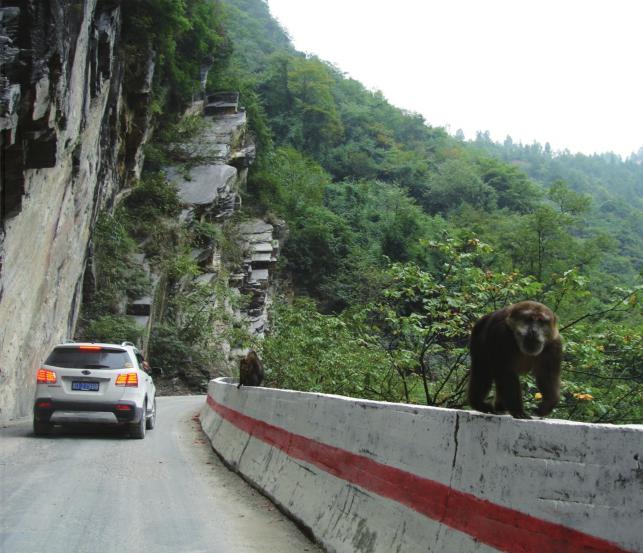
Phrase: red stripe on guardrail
x=500 y=527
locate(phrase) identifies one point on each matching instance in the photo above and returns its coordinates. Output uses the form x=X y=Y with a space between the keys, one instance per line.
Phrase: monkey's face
x=532 y=326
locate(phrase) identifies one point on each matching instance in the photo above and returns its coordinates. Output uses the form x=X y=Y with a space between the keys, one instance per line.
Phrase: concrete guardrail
x=375 y=477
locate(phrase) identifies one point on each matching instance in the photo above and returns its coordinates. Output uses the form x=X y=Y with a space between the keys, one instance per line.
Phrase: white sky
x=567 y=72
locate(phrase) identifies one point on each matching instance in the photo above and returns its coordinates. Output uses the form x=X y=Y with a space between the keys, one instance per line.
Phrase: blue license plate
x=85 y=386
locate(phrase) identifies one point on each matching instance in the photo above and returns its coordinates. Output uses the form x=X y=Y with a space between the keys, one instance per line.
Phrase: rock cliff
x=70 y=140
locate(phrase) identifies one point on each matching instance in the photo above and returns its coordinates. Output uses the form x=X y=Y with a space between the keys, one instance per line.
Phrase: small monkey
x=250 y=370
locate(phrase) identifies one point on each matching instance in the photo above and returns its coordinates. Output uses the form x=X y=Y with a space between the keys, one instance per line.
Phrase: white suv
x=95 y=383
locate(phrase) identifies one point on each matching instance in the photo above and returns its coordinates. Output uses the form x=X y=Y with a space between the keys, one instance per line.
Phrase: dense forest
x=401 y=236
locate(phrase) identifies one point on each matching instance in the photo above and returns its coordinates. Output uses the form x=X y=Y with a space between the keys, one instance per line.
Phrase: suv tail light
x=127 y=379
x=45 y=376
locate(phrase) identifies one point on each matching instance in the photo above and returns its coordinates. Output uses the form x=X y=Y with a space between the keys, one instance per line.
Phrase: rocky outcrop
x=216 y=165
x=207 y=187
x=261 y=248
x=69 y=143
x=214 y=171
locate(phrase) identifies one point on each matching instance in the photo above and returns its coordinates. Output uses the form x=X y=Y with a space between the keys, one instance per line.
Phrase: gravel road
x=95 y=490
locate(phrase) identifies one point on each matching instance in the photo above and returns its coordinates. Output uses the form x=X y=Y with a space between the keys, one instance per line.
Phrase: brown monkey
x=250 y=370
x=512 y=341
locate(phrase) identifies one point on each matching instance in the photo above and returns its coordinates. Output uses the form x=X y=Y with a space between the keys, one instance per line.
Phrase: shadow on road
x=87 y=431
x=84 y=432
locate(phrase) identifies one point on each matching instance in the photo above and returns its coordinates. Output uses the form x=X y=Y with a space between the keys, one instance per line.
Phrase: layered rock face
x=261 y=244
x=219 y=158
x=69 y=143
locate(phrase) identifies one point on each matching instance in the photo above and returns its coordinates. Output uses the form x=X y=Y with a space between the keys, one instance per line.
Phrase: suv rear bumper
x=72 y=411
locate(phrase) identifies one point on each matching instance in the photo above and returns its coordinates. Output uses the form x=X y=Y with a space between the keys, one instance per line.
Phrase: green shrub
x=181 y=265
x=231 y=245
x=118 y=274
x=155 y=157
x=152 y=198
x=182 y=130
x=308 y=351
x=183 y=34
x=205 y=234
x=170 y=353
x=113 y=329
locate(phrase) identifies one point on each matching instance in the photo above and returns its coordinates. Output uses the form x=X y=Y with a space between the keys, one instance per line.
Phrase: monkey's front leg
x=480 y=382
x=548 y=383
x=510 y=394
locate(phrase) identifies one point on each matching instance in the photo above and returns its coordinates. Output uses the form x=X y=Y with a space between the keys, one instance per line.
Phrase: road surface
x=98 y=491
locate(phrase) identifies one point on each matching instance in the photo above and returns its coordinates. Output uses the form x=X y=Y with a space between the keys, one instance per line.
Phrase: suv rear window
x=75 y=358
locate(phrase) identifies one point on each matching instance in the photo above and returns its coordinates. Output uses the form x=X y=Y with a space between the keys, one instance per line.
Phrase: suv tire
x=137 y=429
x=151 y=422
x=42 y=428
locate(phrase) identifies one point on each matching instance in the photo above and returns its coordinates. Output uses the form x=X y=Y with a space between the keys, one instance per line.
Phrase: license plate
x=85 y=386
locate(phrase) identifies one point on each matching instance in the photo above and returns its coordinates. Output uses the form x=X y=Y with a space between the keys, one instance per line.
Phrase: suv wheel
x=137 y=429
x=151 y=422
x=42 y=428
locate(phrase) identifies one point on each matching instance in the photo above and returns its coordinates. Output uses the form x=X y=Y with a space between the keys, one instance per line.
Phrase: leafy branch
x=613 y=308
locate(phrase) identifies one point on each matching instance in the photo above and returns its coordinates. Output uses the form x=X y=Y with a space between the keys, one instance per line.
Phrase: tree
x=427 y=317
x=306 y=350
x=317 y=244
x=310 y=86
x=183 y=34
x=457 y=182
x=382 y=216
x=568 y=202
x=542 y=244
x=603 y=364
x=288 y=182
x=513 y=188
